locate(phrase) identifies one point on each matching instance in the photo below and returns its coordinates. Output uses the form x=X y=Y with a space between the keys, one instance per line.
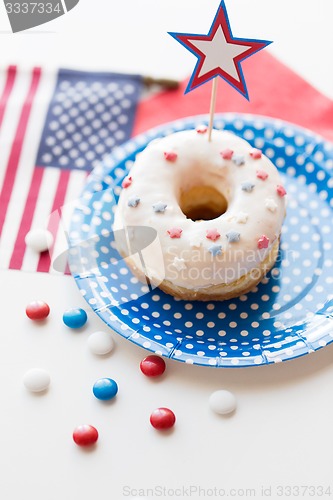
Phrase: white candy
x=222 y=402
x=36 y=380
x=100 y=343
x=39 y=240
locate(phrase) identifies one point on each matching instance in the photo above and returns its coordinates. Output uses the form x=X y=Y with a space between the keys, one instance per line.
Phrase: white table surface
x=281 y=433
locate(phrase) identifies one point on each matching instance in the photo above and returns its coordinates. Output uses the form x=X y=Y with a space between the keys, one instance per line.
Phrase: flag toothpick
x=212 y=108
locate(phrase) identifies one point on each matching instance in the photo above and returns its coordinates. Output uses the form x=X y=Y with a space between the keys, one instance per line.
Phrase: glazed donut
x=217 y=208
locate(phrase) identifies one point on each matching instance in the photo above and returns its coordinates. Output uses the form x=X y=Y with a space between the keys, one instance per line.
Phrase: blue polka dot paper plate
x=289 y=314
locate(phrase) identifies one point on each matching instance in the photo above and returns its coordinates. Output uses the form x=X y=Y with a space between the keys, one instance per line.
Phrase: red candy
x=261 y=174
x=152 y=366
x=175 y=232
x=202 y=129
x=170 y=156
x=281 y=191
x=227 y=154
x=256 y=154
x=263 y=242
x=212 y=234
x=85 y=435
x=127 y=182
x=37 y=310
x=162 y=418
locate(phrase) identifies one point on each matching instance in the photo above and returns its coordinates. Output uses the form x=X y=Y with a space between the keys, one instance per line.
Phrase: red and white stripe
x=29 y=193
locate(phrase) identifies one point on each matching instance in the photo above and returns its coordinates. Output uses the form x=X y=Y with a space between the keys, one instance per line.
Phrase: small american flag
x=54 y=128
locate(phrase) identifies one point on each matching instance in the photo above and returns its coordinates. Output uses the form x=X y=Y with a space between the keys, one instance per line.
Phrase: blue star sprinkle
x=133 y=202
x=159 y=207
x=215 y=250
x=233 y=236
x=238 y=160
x=248 y=186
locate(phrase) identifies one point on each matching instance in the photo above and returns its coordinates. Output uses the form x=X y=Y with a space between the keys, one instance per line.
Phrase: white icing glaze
x=187 y=260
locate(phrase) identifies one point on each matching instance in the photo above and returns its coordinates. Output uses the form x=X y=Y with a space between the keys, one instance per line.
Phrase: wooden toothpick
x=212 y=108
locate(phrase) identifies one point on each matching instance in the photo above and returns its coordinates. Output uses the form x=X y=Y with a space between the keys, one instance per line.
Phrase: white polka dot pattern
x=289 y=314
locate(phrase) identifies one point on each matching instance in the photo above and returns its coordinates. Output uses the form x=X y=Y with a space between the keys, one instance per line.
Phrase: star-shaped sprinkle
x=233 y=236
x=196 y=241
x=201 y=129
x=256 y=154
x=133 y=202
x=175 y=232
x=242 y=217
x=159 y=207
x=170 y=156
x=238 y=160
x=270 y=205
x=227 y=154
x=212 y=234
x=261 y=174
x=219 y=53
x=248 y=186
x=215 y=250
x=263 y=242
x=179 y=264
x=281 y=191
x=127 y=182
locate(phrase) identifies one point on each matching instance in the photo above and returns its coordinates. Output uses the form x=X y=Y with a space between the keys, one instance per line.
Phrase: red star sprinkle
x=256 y=154
x=281 y=191
x=227 y=154
x=170 y=156
x=261 y=174
x=263 y=242
x=212 y=234
x=127 y=182
x=202 y=129
x=175 y=232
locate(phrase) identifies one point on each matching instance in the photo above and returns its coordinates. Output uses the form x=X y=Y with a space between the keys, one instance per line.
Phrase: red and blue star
x=219 y=53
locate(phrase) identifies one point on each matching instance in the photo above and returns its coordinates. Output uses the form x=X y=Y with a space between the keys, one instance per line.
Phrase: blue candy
x=105 y=389
x=75 y=318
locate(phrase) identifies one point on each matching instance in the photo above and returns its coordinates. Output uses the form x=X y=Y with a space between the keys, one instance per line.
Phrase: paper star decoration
x=219 y=53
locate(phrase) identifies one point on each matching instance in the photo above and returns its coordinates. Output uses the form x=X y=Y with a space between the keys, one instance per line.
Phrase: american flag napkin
x=54 y=128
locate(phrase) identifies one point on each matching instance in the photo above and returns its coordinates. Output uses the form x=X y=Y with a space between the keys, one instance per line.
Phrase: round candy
x=37 y=310
x=162 y=418
x=36 y=380
x=152 y=366
x=105 y=389
x=85 y=435
x=100 y=343
x=39 y=240
x=222 y=402
x=75 y=318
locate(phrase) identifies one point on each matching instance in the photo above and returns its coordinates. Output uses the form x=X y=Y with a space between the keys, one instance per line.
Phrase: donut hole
x=203 y=203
